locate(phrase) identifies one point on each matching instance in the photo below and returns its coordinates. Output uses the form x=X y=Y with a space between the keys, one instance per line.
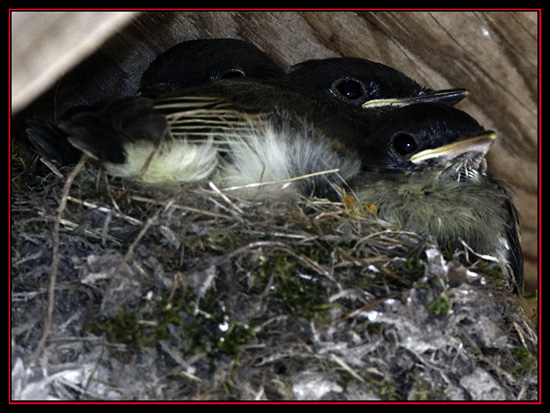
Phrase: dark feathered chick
x=362 y=83
x=235 y=132
x=196 y=62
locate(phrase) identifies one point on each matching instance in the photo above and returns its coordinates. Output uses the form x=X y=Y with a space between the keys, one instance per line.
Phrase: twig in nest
x=225 y=198
x=367 y=307
x=51 y=167
x=55 y=259
x=105 y=210
x=482 y=256
x=281 y=181
x=346 y=367
x=130 y=252
x=182 y=207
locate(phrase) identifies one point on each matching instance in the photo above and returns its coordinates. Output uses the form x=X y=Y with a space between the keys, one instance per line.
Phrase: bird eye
x=231 y=74
x=349 y=88
x=404 y=144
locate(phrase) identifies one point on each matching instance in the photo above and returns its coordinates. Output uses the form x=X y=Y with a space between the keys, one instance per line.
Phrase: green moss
x=387 y=391
x=137 y=329
x=421 y=395
x=218 y=242
x=415 y=267
x=225 y=241
x=18 y=163
x=411 y=269
x=123 y=328
x=230 y=340
x=447 y=251
x=300 y=294
x=492 y=270
x=319 y=254
x=204 y=326
x=525 y=362
x=440 y=305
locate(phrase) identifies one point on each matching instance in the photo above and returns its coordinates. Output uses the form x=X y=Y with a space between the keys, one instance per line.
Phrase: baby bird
x=361 y=83
x=195 y=62
x=429 y=175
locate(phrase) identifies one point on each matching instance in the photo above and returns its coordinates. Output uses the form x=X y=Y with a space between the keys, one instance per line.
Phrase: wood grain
x=493 y=54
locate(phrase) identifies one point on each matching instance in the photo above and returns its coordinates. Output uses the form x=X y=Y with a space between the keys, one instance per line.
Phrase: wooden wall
x=493 y=54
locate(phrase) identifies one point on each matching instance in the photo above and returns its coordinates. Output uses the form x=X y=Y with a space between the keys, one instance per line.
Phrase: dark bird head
x=196 y=62
x=364 y=84
x=425 y=135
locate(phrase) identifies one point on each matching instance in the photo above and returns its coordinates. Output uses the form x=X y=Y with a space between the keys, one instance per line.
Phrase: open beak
x=478 y=146
x=449 y=97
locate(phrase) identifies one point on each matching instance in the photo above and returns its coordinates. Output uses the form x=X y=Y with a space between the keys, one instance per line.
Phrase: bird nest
x=122 y=291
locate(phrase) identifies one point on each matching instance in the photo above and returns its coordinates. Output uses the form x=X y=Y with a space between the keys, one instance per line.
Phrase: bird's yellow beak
x=451 y=96
x=478 y=145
